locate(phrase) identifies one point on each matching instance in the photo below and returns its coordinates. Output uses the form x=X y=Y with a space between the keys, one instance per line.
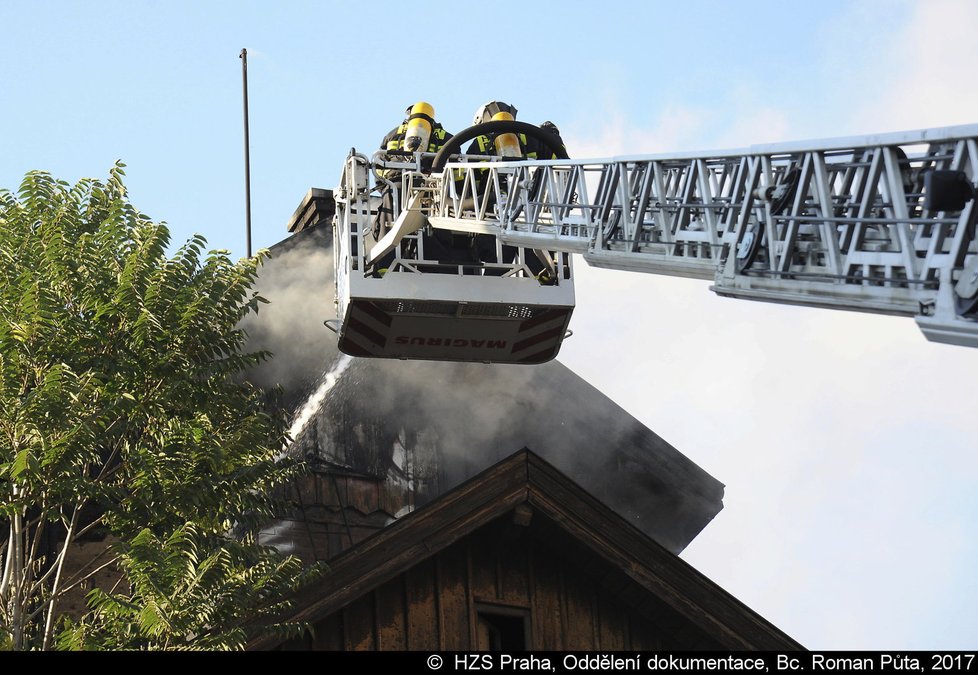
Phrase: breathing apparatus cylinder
x=421 y=119
x=507 y=145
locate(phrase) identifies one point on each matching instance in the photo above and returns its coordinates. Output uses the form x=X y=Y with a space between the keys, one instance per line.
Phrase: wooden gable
x=520 y=557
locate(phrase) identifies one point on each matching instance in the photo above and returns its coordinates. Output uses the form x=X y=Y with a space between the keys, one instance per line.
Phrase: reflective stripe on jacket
x=395 y=139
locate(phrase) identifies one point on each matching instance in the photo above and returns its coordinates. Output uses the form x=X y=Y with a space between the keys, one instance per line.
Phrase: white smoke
x=297 y=281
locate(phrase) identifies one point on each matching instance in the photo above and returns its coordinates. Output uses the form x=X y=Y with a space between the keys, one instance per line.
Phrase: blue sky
x=158 y=84
x=846 y=442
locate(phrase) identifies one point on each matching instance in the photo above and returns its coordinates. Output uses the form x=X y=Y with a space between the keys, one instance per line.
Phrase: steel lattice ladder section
x=838 y=223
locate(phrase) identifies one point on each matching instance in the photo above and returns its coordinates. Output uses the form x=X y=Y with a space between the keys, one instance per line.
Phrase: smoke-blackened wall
x=425 y=426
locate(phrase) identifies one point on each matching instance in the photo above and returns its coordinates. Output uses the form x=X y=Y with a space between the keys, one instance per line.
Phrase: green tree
x=122 y=413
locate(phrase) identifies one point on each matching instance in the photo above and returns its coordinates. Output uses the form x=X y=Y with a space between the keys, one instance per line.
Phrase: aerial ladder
x=882 y=224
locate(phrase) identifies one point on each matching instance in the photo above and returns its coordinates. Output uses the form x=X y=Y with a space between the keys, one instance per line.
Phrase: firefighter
x=501 y=145
x=418 y=129
x=419 y=132
x=509 y=146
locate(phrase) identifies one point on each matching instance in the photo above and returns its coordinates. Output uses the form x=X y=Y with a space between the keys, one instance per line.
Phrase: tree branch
x=55 y=592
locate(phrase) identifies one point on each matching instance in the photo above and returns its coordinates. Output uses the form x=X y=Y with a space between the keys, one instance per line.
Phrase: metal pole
x=244 y=77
